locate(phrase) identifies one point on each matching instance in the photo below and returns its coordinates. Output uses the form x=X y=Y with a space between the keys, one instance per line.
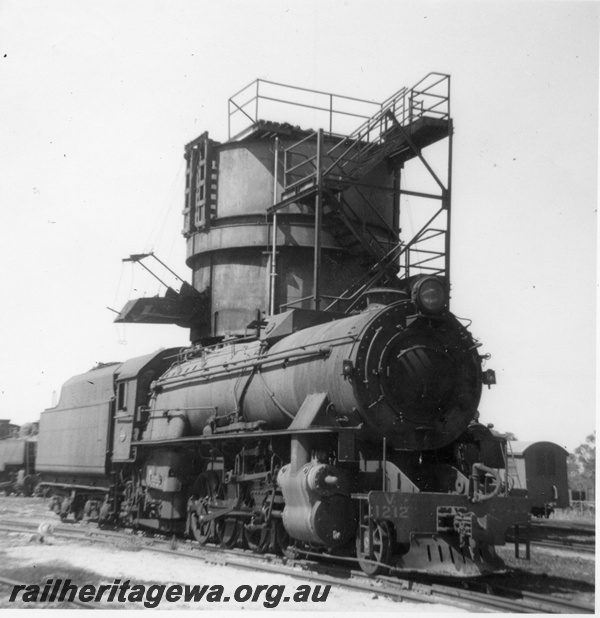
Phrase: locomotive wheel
x=206 y=488
x=257 y=540
x=201 y=530
x=27 y=488
x=227 y=531
x=78 y=508
x=283 y=542
x=382 y=548
x=64 y=510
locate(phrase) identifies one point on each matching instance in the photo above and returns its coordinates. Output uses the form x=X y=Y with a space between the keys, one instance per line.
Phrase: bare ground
x=566 y=573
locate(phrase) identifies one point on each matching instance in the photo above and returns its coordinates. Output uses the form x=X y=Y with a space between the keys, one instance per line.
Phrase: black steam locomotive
x=287 y=425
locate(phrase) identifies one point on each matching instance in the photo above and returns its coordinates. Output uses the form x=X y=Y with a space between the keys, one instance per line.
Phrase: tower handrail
x=338 y=105
x=407 y=105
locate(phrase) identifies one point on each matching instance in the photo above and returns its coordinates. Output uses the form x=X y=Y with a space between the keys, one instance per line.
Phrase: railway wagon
x=539 y=469
x=18 y=447
x=328 y=401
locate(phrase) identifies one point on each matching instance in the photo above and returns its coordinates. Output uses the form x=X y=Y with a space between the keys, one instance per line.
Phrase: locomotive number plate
x=388 y=511
x=388 y=508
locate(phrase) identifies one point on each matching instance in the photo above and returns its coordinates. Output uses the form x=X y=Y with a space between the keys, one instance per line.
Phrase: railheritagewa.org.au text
x=151 y=596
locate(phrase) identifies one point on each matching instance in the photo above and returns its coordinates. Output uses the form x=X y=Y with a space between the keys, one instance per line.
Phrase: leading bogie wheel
x=380 y=541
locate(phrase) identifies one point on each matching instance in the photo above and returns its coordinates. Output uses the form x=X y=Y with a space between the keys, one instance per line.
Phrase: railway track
x=578 y=546
x=579 y=527
x=478 y=596
x=562 y=536
x=518 y=602
x=574 y=545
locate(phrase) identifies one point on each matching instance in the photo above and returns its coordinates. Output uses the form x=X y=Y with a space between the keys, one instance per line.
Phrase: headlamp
x=428 y=294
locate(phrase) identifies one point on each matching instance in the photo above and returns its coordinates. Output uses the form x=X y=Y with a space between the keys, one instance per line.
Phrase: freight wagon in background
x=539 y=470
x=17 y=457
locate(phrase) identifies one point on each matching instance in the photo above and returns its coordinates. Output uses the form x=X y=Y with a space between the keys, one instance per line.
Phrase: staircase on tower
x=395 y=132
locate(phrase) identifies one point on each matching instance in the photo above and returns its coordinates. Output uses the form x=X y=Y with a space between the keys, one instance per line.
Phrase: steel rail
x=62 y=532
x=569 y=545
x=589 y=528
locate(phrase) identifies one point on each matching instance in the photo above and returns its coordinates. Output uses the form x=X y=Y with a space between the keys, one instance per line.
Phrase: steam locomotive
x=349 y=430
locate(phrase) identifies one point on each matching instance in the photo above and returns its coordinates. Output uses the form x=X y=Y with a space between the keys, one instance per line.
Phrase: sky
x=100 y=97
